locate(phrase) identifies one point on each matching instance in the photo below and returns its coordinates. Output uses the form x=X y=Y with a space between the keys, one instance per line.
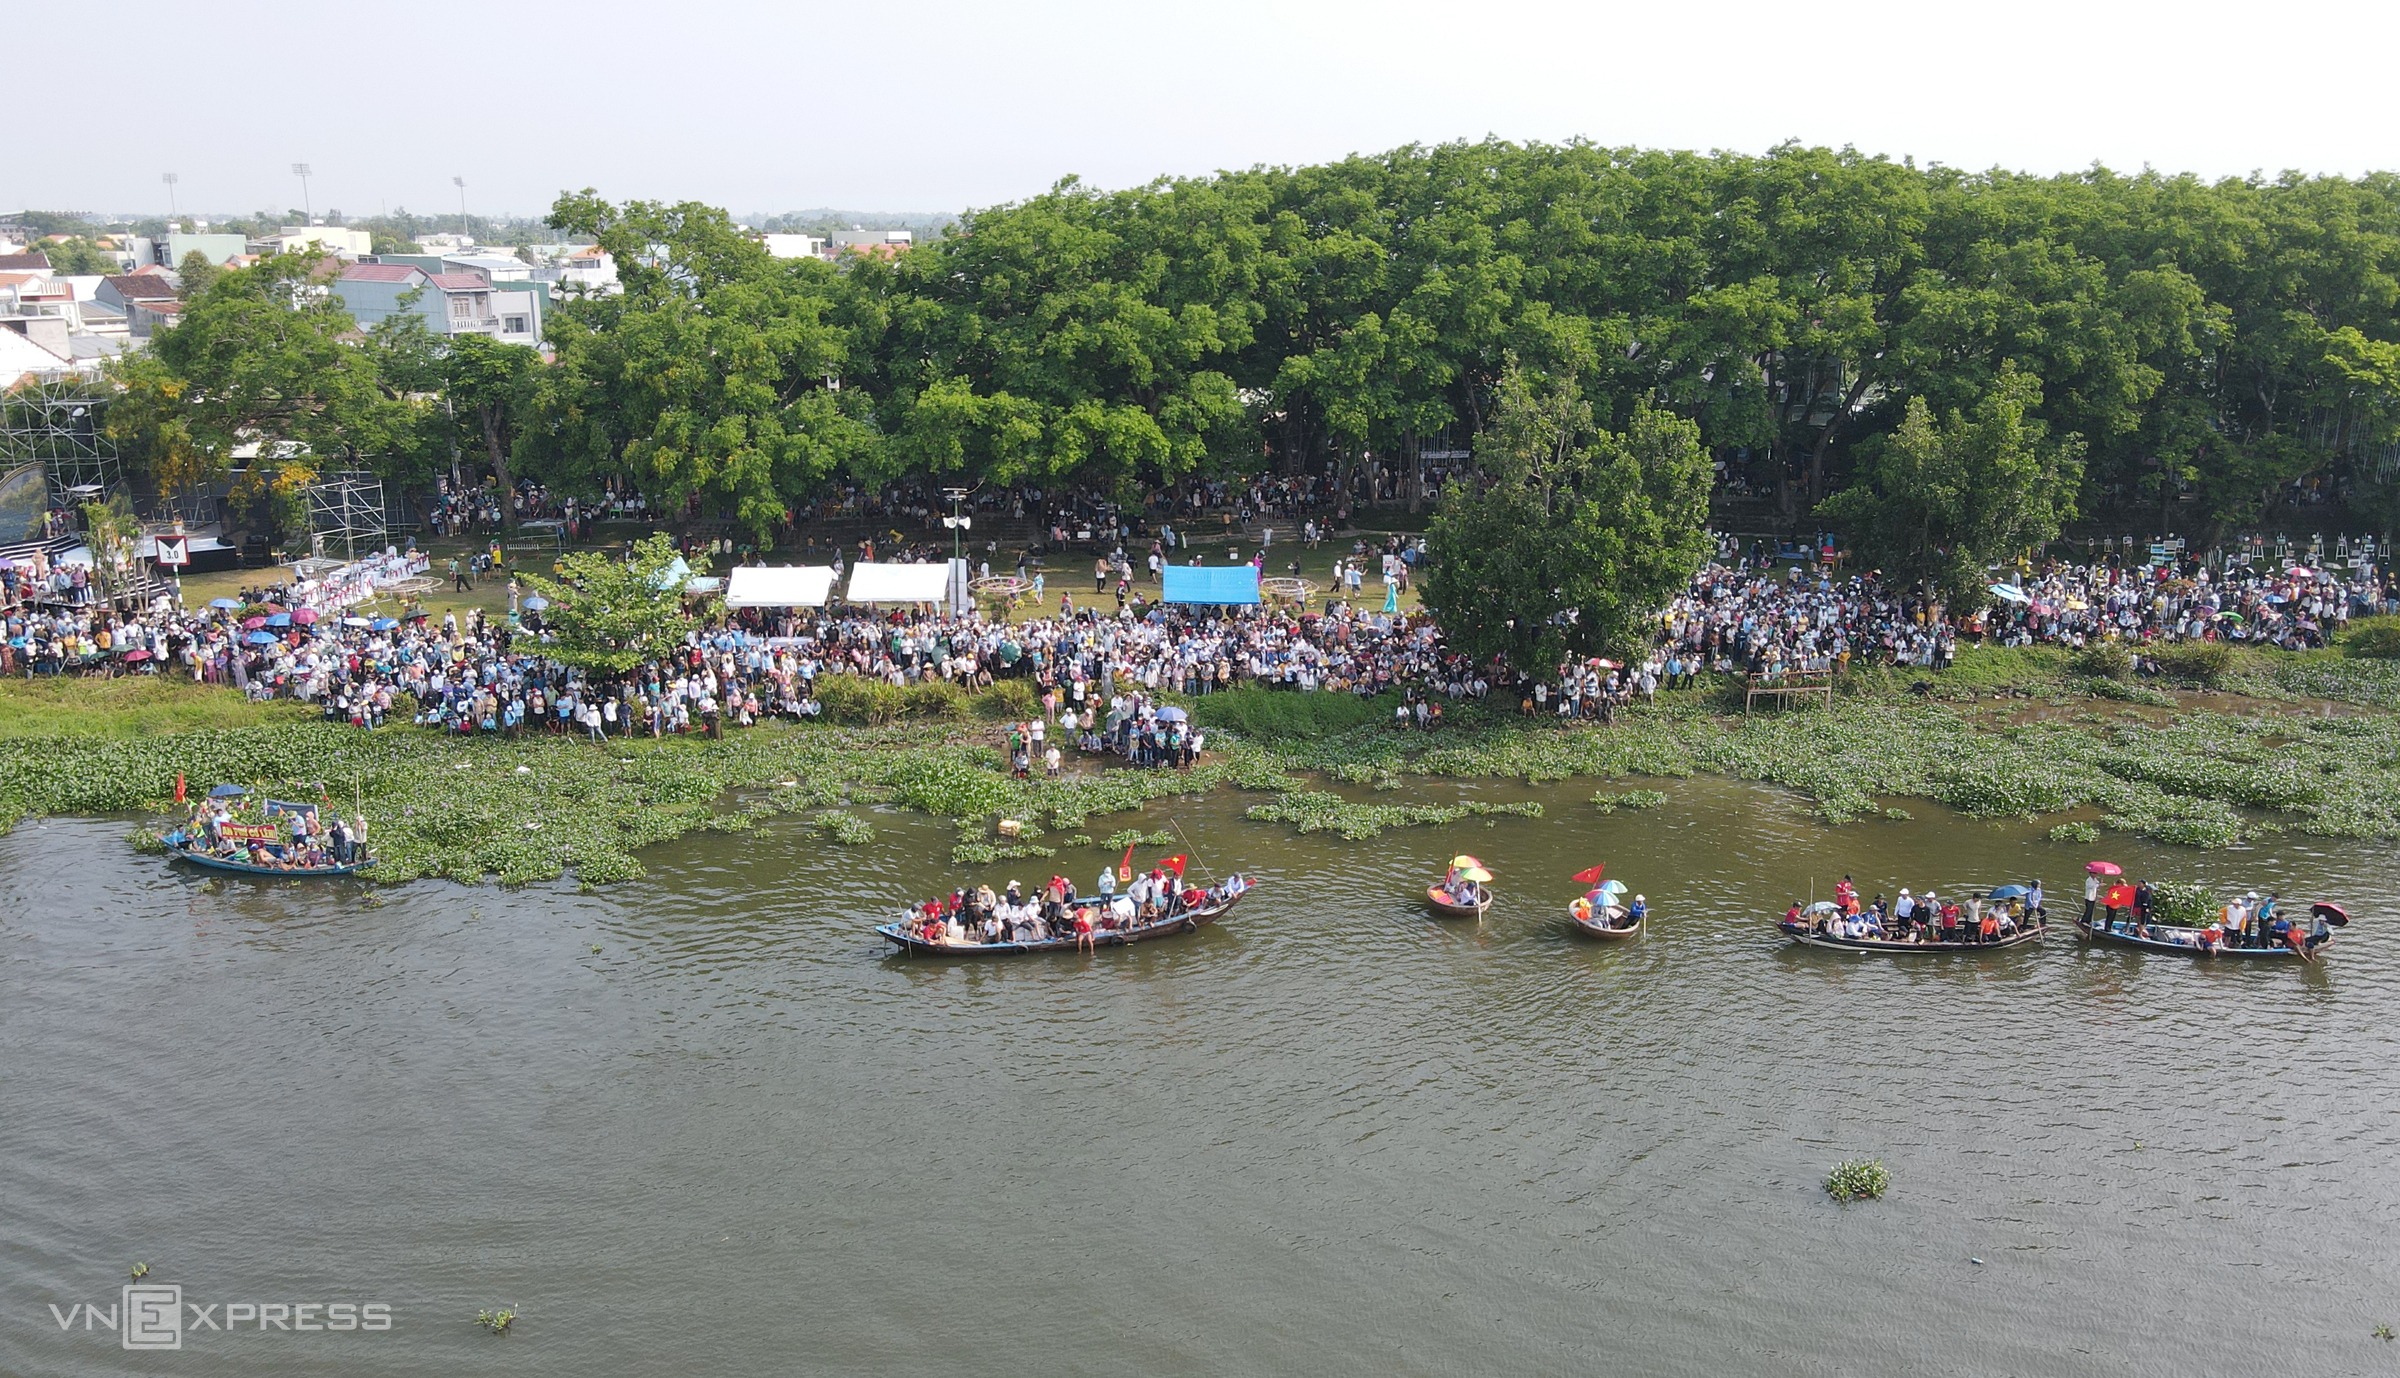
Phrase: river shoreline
x=2004 y=735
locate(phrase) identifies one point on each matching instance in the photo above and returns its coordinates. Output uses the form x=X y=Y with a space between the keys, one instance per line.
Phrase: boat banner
x=250 y=832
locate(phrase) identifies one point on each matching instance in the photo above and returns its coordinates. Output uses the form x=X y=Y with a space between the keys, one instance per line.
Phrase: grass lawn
x=132 y=706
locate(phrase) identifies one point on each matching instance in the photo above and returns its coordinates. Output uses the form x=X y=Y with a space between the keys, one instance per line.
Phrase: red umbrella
x=2331 y=913
x=305 y=616
x=2105 y=868
x=1588 y=877
x=2118 y=897
x=251 y=624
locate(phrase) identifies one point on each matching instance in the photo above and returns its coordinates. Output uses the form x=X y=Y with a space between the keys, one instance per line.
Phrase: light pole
x=307 y=210
x=957 y=523
x=170 y=179
x=461 y=184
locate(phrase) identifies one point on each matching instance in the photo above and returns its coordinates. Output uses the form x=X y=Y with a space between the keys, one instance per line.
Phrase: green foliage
x=1609 y=802
x=1317 y=811
x=1272 y=715
x=497 y=1322
x=608 y=613
x=1940 y=503
x=846 y=828
x=2194 y=662
x=2104 y=660
x=2075 y=832
x=1008 y=700
x=2182 y=903
x=1576 y=538
x=2372 y=638
x=1858 y=1179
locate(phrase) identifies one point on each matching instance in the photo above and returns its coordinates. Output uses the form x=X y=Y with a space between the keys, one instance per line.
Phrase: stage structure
x=345 y=515
x=54 y=420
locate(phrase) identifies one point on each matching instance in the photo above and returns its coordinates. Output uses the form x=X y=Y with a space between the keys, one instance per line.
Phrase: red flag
x=1125 y=865
x=179 y=787
x=2118 y=897
x=1591 y=876
x=1173 y=863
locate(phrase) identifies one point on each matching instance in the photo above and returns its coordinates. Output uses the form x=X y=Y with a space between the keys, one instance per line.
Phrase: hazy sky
x=937 y=105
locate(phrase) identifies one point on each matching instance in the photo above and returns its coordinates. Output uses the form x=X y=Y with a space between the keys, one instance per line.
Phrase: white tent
x=899 y=583
x=778 y=586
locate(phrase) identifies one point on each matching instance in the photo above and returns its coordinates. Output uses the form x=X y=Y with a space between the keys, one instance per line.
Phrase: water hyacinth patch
x=1314 y=811
x=1859 y=1179
x=847 y=829
x=1609 y=802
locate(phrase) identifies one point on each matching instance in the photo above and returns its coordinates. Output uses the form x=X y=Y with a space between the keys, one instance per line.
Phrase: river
x=702 y=1124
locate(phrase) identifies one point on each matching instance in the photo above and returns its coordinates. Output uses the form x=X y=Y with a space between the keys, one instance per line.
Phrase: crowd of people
x=286 y=837
x=1160 y=896
x=1913 y=918
x=2245 y=921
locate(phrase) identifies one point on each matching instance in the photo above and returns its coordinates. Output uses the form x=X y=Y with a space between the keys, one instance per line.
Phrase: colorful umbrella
x=2105 y=868
x=1475 y=873
x=2009 y=892
x=251 y=624
x=2330 y=913
x=260 y=638
x=281 y=619
x=1460 y=863
x=1610 y=887
x=1587 y=877
x=2011 y=592
x=305 y=616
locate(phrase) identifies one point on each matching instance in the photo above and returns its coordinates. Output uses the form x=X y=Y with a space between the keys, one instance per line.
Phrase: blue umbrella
x=260 y=638
x=2009 y=892
x=1172 y=714
x=226 y=603
x=385 y=624
x=2012 y=593
x=1612 y=887
x=281 y=619
x=227 y=792
x=536 y=603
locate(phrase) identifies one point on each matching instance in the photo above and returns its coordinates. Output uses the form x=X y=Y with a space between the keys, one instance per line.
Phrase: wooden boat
x=1182 y=921
x=176 y=847
x=2159 y=937
x=1805 y=933
x=1449 y=908
x=1608 y=923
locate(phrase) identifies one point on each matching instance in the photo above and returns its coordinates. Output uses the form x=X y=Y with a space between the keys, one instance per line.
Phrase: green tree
x=1579 y=536
x=1942 y=502
x=77 y=257
x=609 y=613
x=195 y=274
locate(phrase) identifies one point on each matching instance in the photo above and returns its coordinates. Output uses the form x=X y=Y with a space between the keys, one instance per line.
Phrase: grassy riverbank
x=2015 y=734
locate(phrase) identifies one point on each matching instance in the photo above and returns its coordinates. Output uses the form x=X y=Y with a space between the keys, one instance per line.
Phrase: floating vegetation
x=848 y=829
x=2075 y=832
x=497 y=1322
x=1898 y=815
x=975 y=853
x=1315 y=811
x=1859 y=1179
x=1608 y=802
x=1134 y=837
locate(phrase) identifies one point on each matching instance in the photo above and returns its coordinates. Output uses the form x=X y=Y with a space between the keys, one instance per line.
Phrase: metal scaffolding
x=345 y=515
x=55 y=420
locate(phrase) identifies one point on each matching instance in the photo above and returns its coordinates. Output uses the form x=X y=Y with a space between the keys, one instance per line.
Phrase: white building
x=350 y=245
x=793 y=245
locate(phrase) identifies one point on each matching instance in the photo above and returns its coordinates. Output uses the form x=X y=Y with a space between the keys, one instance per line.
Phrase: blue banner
x=1220 y=584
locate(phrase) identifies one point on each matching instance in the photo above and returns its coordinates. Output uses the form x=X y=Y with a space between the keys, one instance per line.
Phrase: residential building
x=793 y=245
x=34 y=262
x=217 y=248
x=450 y=303
x=873 y=241
x=22 y=357
x=124 y=292
x=493 y=265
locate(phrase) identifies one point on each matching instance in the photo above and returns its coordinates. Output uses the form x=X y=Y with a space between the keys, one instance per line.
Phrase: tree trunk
x=491 y=441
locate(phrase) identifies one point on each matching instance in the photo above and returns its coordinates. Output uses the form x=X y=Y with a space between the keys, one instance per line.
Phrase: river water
x=702 y=1124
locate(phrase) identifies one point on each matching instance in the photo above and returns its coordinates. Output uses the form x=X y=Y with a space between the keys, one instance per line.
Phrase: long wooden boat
x=1807 y=936
x=1608 y=924
x=177 y=849
x=1182 y=921
x=1448 y=908
x=2185 y=941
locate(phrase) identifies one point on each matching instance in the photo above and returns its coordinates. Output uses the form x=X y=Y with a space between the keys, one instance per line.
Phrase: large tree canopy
x=2209 y=344
x=1578 y=534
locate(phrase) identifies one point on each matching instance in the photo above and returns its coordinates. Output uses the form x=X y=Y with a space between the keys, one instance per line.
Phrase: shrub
x=2179 y=902
x=2075 y=832
x=2372 y=638
x=934 y=698
x=1860 y=1179
x=2197 y=662
x=1272 y=714
x=859 y=700
x=2104 y=660
x=1008 y=700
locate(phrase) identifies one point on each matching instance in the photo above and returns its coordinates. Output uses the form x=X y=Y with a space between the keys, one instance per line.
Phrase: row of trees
x=1900 y=336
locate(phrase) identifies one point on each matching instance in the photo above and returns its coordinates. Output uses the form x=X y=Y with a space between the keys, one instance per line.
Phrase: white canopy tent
x=899 y=583
x=778 y=586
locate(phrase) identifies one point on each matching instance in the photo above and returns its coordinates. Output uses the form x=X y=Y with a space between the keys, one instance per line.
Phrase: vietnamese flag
x=1175 y=864
x=1591 y=876
x=179 y=787
x=2118 y=897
